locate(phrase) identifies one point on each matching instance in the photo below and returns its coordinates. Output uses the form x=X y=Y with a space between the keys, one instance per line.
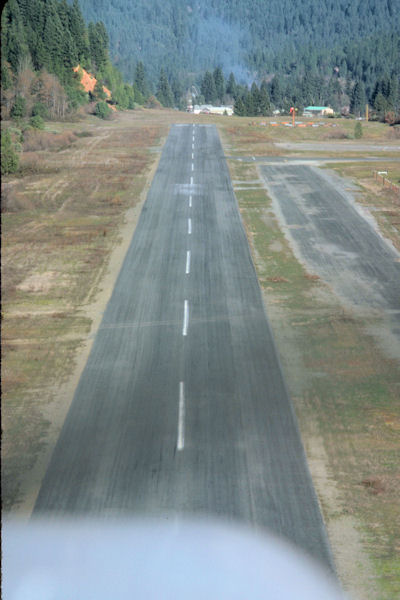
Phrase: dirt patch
x=351 y=560
x=276 y=246
x=38 y=282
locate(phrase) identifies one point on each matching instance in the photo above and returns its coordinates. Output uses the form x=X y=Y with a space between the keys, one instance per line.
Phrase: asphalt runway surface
x=338 y=147
x=336 y=240
x=182 y=408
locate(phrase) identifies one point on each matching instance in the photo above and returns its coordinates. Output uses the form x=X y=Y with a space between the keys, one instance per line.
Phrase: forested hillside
x=254 y=39
x=41 y=43
x=259 y=54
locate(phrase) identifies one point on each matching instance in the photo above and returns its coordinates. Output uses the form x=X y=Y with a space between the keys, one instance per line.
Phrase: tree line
x=282 y=93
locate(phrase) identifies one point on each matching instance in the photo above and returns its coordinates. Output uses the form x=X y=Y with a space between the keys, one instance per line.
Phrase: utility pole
x=366 y=112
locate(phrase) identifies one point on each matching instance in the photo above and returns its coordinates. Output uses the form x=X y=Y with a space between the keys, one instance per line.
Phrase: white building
x=209 y=109
x=317 y=111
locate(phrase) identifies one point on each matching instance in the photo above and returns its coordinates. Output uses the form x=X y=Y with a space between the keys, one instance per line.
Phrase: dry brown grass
x=35 y=139
x=61 y=218
x=394 y=133
x=344 y=387
x=336 y=134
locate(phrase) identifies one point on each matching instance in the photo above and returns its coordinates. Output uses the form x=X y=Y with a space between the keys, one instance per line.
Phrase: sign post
x=293 y=113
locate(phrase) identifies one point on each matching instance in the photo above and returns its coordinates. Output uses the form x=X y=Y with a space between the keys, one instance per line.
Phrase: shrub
x=30 y=163
x=102 y=110
x=9 y=157
x=19 y=108
x=152 y=102
x=76 y=96
x=83 y=134
x=36 y=122
x=390 y=117
x=39 y=110
x=358 y=132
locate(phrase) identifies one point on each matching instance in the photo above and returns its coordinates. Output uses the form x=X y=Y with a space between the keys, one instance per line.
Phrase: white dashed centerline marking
x=190 y=201
x=188 y=262
x=192 y=167
x=189 y=226
x=191 y=181
x=192 y=146
x=181 y=417
x=192 y=155
x=185 y=318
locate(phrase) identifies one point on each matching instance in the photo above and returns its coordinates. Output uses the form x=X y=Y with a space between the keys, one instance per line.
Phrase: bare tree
x=51 y=93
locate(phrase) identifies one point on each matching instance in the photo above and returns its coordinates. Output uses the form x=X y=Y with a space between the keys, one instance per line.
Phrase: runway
x=337 y=240
x=182 y=408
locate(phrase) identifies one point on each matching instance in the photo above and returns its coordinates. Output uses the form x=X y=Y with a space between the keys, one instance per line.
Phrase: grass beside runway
x=345 y=392
x=62 y=217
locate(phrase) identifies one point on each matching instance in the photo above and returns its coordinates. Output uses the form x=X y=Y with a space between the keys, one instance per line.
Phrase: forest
x=257 y=55
x=42 y=41
x=255 y=40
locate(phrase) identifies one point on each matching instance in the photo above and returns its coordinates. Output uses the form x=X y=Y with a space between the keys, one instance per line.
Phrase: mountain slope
x=250 y=38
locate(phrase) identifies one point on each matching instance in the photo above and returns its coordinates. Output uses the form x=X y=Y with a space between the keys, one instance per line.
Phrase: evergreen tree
x=381 y=104
x=9 y=158
x=120 y=97
x=63 y=13
x=19 y=108
x=130 y=95
x=264 y=101
x=177 y=92
x=239 y=108
x=358 y=132
x=276 y=92
x=393 y=93
x=231 y=87
x=349 y=85
x=140 y=80
x=249 y=106
x=307 y=90
x=69 y=57
x=13 y=39
x=255 y=100
x=207 y=88
x=219 y=84
x=6 y=76
x=358 y=100
x=98 y=44
x=53 y=34
x=164 y=93
x=78 y=31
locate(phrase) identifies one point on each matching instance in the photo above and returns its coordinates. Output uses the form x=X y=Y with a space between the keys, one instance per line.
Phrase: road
x=182 y=408
x=338 y=241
